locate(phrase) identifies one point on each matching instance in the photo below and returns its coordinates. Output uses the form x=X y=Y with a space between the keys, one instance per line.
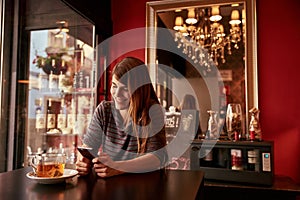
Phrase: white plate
x=68 y=173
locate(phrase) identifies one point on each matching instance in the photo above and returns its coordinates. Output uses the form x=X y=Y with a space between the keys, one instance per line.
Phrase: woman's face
x=120 y=94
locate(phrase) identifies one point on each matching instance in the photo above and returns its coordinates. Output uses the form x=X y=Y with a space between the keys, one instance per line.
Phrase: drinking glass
x=234 y=121
x=48 y=164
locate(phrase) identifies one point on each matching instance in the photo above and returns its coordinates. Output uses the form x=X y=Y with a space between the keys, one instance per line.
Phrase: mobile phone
x=86 y=152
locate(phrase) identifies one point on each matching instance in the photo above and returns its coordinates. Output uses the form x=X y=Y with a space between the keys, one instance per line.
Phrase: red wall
x=278 y=72
x=126 y=15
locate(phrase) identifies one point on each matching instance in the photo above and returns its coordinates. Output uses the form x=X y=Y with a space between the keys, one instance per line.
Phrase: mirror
x=214 y=81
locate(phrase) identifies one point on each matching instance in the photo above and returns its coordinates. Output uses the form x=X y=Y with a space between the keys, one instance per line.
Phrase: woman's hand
x=104 y=166
x=83 y=166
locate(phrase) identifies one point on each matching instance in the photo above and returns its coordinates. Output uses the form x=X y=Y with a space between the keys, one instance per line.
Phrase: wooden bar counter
x=283 y=188
x=163 y=184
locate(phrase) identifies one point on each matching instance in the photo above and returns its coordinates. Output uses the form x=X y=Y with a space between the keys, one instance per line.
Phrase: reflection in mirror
x=210 y=46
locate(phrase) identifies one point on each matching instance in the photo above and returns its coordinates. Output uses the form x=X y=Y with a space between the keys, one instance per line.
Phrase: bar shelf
x=236 y=161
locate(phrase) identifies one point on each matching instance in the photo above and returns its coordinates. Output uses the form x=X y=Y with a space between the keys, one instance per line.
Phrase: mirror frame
x=251 y=80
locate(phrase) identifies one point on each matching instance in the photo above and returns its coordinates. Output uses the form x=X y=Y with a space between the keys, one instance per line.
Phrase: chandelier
x=202 y=36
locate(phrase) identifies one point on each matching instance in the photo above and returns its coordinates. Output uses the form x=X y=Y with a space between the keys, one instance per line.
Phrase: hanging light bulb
x=215 y=14
x=235 y=17
x=191 y=17
x=178 y=23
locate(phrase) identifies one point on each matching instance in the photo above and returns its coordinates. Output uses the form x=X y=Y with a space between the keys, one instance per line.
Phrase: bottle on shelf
x=234 y=118
x=251 y=132
x=75 y=81
x=87 y=81
x=252 y=160
x=52 y=83
x=61 y=78
x=223 y=99
x=254 y=125
x=40 y=123
x=51 y=118
x=236 y=159
x=53 y=62
x=79 y=56
x=71 y=116
x=62 y=116
x=212 y=130
x=40 y=81
x=221 y=157
x=207 y=160
x=80 y=79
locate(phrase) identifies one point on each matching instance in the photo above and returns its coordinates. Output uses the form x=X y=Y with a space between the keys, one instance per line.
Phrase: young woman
x=128 y=132
x=189 y=103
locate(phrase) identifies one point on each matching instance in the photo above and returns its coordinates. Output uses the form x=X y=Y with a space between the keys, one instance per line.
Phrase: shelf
x=80 y=91
x=221 y=162
x=226 y=143
x=60 y=134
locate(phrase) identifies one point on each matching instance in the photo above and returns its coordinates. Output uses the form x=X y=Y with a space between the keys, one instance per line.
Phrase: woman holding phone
x=127 y=134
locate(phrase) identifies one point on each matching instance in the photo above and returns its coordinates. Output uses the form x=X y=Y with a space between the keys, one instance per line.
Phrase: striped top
x=120 y=143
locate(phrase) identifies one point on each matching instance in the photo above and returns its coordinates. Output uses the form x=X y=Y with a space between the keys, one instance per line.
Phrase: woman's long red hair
x=133 y=73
